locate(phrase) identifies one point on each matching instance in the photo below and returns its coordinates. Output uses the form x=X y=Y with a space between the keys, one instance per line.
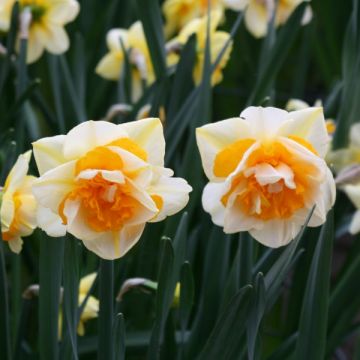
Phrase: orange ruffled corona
x=266 y=172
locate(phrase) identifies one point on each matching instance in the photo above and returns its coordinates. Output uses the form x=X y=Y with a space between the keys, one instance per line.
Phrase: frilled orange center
x=106 y=205
x=15 y=224
x=269 y=201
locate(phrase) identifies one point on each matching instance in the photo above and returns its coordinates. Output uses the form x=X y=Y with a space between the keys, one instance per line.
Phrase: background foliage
x=239 y=300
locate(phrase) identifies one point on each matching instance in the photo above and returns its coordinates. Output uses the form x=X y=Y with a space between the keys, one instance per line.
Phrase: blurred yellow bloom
x=180 y=12
x=111 y=65
x=217 y=42
x=259 y=12
x=103 y=182
x=342 y=158
x=91 y=308
x=18 y=207
x=48 y=18
x=266 y=172
x=176 y=299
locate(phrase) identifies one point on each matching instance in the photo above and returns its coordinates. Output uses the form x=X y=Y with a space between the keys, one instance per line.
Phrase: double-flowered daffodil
x=46 y=30
x=258 y=13
x=266 y=172
x=180 y=12
x=103 y=182
x=218 y=39
x=18 y=206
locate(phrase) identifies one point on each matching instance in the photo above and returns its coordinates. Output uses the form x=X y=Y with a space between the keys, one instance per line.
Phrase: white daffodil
x=218 y=39
x=258 y=13
x=179 y=13
x=103 y=182
x=46 y=30
x=266 y=172
x=18 y=206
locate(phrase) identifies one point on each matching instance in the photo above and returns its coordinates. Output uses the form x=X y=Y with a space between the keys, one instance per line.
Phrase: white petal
x=264 y=122
x=15 y=245
x=48 y=152
x=7 y=211
x=355 y=223
x=63 y=12
x=353 y=192
x=355 y=135
x=90 y=134
x=54 y=38
x=213 y=138
x=112 y=176
x=52 y=187
x=211 y=202
x=112 y=246
x=50 y=222
x=310 y=125
x=174 y=193
x=115 y=37
x=296 y=104
x=148 y=134
x=36 y=45
x=18 y=173
x=256 y=19
x=237 y=5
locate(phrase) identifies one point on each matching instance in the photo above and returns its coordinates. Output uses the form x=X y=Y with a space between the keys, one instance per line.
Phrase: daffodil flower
x=178 y=13
x=46 y=31
x=342 y=158
x=258 y=13
x=266 y=172
x=18 y=206
x=218 y=39
x=103 y=182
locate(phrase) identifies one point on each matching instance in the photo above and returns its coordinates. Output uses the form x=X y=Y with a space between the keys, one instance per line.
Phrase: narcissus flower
x=217 y=41
x=342 y=158
x=266 y=172
x=259 y=12
x=103 y=182
x=46 y=31
x=18 y=207
x=180 y=12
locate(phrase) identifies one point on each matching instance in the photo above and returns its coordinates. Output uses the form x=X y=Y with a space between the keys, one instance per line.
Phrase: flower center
x=274 y=183
x=106 y=205
x=37 y=7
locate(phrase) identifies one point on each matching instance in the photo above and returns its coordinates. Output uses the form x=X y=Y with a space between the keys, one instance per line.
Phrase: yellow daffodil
x=342 y=158
x=217 y=42
x=266 y=172
x=91 y=308
x=259 y=12
x=111 y=65
x=18 y=207
x=46 y=31
x=297 y=104
x=178 y=13
x=103 y=182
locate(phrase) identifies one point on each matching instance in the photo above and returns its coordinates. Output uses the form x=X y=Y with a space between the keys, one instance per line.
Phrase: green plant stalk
x=106 y=310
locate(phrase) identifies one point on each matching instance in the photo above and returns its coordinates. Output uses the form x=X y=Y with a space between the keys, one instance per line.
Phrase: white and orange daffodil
x=103 y=182
x=258 y=13
x=218 y=39
x=46 y=30
x=179 y=13
x=18 y=206
x=266 y=172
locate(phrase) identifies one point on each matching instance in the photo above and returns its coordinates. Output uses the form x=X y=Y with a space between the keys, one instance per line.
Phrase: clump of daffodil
x=132 y=41
x=47 y=21
x=180 y=12
x=258 y=13
x=217 y=41
x=267 y=171
x=18 y=206
x=103 y=182
x=343 y=158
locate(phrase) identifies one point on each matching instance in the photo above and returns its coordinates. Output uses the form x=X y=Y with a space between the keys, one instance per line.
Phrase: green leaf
x=150 y=15
x=164 y=298
x=4 y=308
x=225 y=337
x=119 y=337
x=106 y=310
x=311 y=343
x=51 y=262
x=255 y=317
